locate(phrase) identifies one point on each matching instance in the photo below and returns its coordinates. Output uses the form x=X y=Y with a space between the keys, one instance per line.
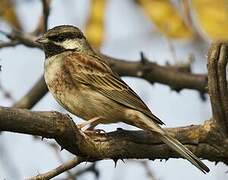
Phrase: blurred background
x=174 y=32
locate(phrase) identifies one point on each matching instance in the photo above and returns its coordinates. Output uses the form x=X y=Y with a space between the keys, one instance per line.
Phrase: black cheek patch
x=52 y=49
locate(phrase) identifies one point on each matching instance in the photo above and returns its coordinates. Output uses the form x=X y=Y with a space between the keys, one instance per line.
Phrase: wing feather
x=95 y=72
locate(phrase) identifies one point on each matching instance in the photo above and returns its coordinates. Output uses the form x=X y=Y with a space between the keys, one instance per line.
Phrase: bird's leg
x=92 y=122
x=92 y=126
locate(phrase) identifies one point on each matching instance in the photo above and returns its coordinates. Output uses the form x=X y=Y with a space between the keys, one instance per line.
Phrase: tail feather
x=183 y=151
x=149 y=124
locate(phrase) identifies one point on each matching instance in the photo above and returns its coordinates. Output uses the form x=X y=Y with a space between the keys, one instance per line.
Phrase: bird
x=82 y=81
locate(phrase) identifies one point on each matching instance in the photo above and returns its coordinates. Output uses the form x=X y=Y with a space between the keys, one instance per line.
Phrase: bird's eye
x=79 y=36
x=57 y=38
x=64 y=36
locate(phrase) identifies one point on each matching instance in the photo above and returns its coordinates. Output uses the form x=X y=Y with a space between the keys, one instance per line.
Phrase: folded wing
x=95 y=72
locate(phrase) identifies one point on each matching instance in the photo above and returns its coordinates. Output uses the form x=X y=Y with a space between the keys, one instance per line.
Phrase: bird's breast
x=59 y=81
x=78 y=98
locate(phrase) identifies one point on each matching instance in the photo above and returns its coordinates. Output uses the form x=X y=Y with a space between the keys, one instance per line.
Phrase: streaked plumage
x=95 y=73
x=83 y=83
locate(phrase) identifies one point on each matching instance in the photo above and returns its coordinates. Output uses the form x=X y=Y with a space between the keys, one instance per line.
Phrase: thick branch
x=217 y=84
x=205 y=141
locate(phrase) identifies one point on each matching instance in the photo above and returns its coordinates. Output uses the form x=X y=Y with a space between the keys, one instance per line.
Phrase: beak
x=42 y=40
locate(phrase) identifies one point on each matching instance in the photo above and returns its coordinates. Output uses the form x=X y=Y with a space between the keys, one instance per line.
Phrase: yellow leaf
x=166 y=18
x=212 y=16
x=8 y=14
x=95 y=24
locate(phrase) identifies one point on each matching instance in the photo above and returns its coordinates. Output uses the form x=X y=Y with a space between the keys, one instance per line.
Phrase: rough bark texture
x=204 y=140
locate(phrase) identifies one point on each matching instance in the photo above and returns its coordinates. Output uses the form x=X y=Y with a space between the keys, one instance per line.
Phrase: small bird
x=82 y=82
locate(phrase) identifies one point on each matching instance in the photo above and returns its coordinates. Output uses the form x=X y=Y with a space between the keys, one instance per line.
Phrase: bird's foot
x=91 y=122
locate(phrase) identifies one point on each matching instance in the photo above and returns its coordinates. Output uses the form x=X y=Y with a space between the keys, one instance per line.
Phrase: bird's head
x=63 y=38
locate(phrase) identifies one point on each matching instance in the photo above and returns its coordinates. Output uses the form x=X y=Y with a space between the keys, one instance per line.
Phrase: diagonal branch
x=217 y=84
x=33 y=96
x=60 y=169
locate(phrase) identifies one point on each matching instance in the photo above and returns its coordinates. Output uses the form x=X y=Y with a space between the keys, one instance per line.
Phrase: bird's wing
x=96 y=73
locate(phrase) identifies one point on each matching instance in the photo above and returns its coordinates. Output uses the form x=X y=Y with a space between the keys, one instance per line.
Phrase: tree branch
x=174 y=76
x=33 y=96
x=92 y=168
x=60 y=169
x=43 y=22
x=155 y=73
x=46 y=11
x=203 y=140
x=8 y=44
x=150 y=71
x=217 y=83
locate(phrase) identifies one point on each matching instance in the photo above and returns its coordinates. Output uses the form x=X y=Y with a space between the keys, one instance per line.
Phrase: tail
x=183 y=151
x=147 y=123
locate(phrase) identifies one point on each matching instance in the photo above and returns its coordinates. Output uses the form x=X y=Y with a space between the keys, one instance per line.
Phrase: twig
x=55 y=147
x=92 y=168
x=71 y=175
x=6 y=93
x=60 y=169
x=149 y=172
x=43 y=22
x=22 y=38
x=171 y=48
x=8 y=44
x=46 y=11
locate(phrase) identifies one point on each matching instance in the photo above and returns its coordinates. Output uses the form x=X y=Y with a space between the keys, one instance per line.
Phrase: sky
x=128 y=32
